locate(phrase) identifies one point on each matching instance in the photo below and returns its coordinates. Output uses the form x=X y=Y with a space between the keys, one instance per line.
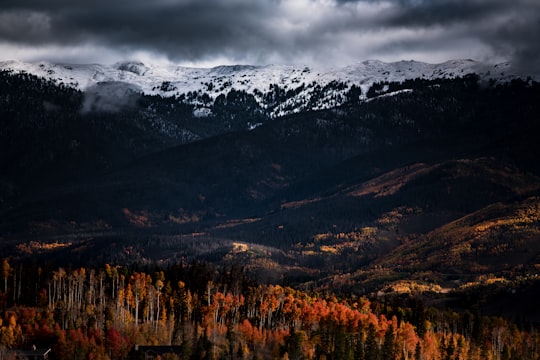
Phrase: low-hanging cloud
x=332 y=32
x=109 y=97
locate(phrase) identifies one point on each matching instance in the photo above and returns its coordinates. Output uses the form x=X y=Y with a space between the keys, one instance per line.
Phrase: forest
x=219 y=313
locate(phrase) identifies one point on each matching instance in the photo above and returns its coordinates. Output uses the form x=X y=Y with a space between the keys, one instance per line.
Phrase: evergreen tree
x=372 y=349
x=389 y=346
x=418 y=352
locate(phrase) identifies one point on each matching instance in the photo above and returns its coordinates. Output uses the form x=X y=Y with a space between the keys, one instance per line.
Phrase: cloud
x=25 y=26
x=331 y=32
x=508 y=29
x=517 y=35
x=110 y=97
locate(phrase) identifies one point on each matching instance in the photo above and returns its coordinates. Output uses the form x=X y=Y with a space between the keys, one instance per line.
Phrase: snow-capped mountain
x=202 y=86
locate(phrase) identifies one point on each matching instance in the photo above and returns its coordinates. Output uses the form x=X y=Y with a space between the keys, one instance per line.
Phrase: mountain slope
x=499 y=237
x=277 y=89
x=321 y=190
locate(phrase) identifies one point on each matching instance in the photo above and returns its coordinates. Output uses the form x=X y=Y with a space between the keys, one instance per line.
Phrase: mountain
x=374 y=175
x=279 y=90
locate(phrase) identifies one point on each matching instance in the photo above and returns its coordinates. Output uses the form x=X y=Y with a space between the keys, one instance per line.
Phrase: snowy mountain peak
x=300 y=83
x=134 y=67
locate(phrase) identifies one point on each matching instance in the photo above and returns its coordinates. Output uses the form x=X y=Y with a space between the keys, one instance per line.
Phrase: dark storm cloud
x=186 y=30
x=509 y=28
x=189 y=30
x=519 y=37
x=281 y=30
x=443 y=12
x=24 y=26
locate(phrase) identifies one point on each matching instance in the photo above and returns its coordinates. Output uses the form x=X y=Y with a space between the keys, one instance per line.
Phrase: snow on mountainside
x=299 y=84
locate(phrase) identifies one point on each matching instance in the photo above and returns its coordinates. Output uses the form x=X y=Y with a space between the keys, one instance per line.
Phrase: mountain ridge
x=202 y=86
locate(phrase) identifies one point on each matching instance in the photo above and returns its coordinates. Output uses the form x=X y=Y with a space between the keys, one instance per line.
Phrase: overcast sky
x=296 y=32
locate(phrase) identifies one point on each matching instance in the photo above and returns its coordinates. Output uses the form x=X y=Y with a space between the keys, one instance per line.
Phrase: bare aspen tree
x=6 y=270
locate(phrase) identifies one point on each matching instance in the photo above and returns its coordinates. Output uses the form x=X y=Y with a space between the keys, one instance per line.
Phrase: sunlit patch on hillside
x=392 y=219
x=499 y=237
x=148 y=219
x=523 y=217
x=182 y=217
x=412 y=287
x=485 y=280
x=140 y=219
x=297 y=204
x=391 y=182
x=236 y=222
x=239 y=247
x=362 y=244
x=329 y=249
x=35 y=247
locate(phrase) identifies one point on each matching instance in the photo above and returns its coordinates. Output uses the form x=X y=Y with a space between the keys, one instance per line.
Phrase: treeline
x=101 y=313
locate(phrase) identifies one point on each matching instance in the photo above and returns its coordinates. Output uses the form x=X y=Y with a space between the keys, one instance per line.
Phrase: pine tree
x=389 y=346
x=372 y=349
x=418 y=352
